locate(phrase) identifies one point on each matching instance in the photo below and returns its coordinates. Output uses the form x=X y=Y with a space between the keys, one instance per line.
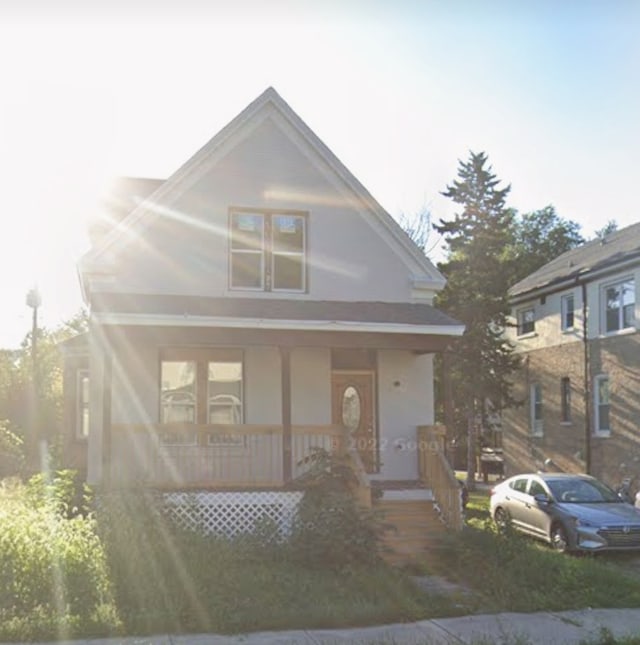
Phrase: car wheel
x=501 y=518
x=559 y=539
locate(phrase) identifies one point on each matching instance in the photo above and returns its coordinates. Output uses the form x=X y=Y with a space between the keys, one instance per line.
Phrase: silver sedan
x=570 y=512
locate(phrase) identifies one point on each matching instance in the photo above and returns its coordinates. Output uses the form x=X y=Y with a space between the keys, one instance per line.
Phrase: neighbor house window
x=82 y=398
x=536 y=409
x=565 y=399
x=268 y=251
x=602 y=405
x=206 y=388
x=568 y=317
x=619 y=305
x=526 y=321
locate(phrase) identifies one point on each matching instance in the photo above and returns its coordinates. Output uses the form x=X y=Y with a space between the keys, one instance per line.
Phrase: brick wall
x=564 y=443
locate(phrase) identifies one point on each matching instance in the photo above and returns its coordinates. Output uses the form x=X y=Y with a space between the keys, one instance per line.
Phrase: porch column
x=285 y=360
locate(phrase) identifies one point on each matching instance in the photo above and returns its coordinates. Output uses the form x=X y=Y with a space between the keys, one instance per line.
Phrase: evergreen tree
x=478 y=269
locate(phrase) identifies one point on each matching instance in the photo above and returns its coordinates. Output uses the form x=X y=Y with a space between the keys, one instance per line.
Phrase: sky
x=400 y=91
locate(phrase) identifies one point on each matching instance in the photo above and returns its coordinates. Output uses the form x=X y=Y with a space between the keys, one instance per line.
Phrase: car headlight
x=581 y=522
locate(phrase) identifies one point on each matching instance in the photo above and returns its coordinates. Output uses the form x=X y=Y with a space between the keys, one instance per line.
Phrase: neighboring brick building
x=575 y=323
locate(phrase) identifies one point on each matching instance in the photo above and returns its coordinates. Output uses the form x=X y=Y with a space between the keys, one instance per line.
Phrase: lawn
x=126 y=569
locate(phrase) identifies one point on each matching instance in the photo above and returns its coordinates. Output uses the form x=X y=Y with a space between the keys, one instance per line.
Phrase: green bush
x=330 y=529
x=53 y=569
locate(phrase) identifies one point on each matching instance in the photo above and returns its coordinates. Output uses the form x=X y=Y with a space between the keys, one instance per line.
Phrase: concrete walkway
x=557 y=628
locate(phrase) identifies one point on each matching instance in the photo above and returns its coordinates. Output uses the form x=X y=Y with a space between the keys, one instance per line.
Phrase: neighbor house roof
x=593 y=258
x=272 y=313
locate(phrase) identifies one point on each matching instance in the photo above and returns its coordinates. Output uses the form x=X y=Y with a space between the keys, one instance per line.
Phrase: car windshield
x=581 y=491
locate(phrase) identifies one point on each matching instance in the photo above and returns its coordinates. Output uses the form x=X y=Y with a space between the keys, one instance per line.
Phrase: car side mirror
x=542 y=499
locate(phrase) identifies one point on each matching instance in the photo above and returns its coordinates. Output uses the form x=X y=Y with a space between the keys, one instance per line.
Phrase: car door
x=515 y=500
x=536 y=515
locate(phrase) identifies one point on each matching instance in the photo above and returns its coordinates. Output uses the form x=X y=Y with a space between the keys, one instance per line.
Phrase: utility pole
x=34 y=301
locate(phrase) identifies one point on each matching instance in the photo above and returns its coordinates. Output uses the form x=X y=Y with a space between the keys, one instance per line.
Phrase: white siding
x=405 y=398
x=185 y=250
x=311 y=386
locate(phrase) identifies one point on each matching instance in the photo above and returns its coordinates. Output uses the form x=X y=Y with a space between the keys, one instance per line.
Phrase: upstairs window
x=526 y=321
x=619 y=305
x=268 y=251
x=568 y=317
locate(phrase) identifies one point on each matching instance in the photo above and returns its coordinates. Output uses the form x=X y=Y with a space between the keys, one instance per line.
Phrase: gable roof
x=122 y=196
x=269 y=103
x=597 y=256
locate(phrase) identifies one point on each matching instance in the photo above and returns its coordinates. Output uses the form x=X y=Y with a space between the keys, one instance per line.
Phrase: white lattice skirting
x=233 y=513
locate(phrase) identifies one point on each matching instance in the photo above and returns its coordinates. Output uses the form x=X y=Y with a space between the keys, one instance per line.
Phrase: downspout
x=587 y=382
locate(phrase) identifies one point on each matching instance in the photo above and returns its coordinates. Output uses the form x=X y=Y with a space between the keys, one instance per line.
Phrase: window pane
x=288 y=233
x=247 y=232
x=567 y=312
x=225 y=393
x=565 y=399
x=288 y=272
x=603 y=418
x=178 y=391
x=612 y=296
x=527 y=321
x=603 y=391
x=246 y=270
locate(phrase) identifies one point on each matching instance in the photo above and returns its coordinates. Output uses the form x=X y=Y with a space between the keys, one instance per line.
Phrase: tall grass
x=53 y=568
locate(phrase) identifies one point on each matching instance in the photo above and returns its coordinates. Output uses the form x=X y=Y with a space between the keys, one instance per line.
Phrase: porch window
x=82 y=398
x=178 y=392
x=267 y=251
x=225 y=393
x=619 y=301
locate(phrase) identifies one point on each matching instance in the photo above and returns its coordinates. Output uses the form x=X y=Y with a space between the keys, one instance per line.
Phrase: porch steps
x=414 y=527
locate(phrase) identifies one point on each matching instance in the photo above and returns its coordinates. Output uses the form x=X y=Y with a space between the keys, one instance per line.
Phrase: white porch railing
x=199 y=456
x=435 y=471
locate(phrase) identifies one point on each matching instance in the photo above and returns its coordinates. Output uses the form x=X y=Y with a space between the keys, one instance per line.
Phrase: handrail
x=434 y=469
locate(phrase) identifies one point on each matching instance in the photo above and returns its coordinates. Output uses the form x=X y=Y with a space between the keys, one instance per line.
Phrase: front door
x=353 y=407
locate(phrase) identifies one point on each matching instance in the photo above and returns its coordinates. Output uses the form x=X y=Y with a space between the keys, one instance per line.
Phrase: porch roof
x=416 y=318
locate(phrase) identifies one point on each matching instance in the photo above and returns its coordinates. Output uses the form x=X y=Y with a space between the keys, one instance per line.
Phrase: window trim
x=604 y=309
x=536 y=424
x=597 y=430
x=520 y=325
x=564 y=312
x=268 y=255
x=81 y=373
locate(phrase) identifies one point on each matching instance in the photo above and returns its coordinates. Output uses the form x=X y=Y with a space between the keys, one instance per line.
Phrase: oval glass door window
x=351 y=408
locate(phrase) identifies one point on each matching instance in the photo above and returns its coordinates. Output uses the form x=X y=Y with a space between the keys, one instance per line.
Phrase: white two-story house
x=575 y=323
x=256 y=304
